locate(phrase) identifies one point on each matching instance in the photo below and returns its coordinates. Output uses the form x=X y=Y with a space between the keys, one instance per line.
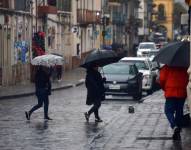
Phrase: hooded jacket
x=173 y=81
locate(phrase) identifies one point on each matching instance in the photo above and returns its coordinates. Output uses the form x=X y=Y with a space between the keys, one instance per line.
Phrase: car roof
x=147 y=43
x=119 y=63
x=135 y=58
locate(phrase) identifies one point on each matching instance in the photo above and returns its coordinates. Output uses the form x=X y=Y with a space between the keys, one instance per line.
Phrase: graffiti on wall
x=21 y=51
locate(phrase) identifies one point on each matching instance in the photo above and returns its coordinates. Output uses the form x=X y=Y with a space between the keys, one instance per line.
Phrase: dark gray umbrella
x=175 y=54
x=100 y=58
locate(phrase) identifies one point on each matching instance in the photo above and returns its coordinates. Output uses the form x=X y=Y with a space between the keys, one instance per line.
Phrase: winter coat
x=95 y=87
x=173 y=81
x=42 y=83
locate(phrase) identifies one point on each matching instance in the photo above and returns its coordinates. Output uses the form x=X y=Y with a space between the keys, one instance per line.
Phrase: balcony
x=4 y=3
x=85 y=17
x=46 y=9
x=114 y=2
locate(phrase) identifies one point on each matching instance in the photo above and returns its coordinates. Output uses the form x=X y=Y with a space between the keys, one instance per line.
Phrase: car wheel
x=150 y=91
x=138 y=96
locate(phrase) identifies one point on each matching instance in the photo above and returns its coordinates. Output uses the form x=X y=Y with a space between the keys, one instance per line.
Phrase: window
x=64 y=5
x=52 y=2
x=161 y=12
x=22 y=5
x=51 y=37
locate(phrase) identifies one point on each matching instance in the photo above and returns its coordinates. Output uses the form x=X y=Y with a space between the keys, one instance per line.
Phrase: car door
x=139 y=76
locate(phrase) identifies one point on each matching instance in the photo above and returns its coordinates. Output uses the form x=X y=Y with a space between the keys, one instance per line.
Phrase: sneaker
x=98 y=120
x=48 y=118
x=87 y=116
x=176 y=136
x=27 y=115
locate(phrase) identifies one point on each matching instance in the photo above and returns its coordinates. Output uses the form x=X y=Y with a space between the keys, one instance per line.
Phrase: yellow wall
x=168 y=23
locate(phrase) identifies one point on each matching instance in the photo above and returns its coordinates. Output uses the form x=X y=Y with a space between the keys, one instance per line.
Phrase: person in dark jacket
x=173 y=81
x=95 y=92
x=43 y=90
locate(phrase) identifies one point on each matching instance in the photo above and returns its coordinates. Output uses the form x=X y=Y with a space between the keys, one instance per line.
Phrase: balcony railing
x=85 y=16
x=114 y=2
x=46 y=9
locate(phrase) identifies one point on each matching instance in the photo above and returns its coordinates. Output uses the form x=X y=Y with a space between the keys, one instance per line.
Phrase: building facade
x=15 y=42
x=164 y=16
x=70 y=28
x=144 y=14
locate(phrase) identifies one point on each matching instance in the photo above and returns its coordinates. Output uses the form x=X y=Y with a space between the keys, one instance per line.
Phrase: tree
x=178 y=10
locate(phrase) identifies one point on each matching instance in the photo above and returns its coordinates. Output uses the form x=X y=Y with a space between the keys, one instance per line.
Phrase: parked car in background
x=123 y=79
x=144 y=65
x=161 y=45
x=145 y=48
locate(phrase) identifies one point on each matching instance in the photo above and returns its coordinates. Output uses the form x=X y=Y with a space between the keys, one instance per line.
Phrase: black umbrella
x=100 y=58
x=175 y=54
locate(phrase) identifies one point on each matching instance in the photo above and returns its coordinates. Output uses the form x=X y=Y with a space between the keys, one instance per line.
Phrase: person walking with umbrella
x=95 y=92
x=43 y=90
x=94 y=81
x=174 y=80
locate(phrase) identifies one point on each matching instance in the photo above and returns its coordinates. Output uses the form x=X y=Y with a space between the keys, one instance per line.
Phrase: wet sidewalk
x=70 y=79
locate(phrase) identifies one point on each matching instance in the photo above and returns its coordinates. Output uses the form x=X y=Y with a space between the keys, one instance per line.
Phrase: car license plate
x=114 y=87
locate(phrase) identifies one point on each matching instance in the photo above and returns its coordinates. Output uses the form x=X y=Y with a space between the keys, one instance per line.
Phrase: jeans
x=42 y=98
x=95 y=109
x=174 y=111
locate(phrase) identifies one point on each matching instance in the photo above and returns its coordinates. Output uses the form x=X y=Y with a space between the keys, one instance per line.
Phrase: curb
x=80 y=82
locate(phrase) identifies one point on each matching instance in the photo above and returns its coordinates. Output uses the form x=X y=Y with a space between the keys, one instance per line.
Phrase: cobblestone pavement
x=146 y=129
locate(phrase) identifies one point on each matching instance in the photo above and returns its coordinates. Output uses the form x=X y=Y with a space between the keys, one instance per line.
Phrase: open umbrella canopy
x=100 y=58
x=175 y=54
x=47 y=60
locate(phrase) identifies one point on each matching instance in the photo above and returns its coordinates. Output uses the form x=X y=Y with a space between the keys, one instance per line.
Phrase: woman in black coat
x=95 y=92
x=43 y=90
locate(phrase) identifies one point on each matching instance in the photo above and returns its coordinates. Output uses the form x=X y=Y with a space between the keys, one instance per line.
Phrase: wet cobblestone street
x=146 y=129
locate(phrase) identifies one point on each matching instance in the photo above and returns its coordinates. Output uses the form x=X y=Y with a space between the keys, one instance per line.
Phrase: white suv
x=144 y=65
x=145 y=48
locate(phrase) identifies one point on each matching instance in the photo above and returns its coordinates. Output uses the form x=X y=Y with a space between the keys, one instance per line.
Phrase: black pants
x=95 y=109
x=42 y=98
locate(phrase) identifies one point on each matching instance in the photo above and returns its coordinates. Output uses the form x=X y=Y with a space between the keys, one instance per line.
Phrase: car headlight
x=138 y=53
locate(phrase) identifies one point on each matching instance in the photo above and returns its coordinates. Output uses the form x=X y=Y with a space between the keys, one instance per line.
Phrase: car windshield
x=146 y=46
x=119 y=68
x=141 y=65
